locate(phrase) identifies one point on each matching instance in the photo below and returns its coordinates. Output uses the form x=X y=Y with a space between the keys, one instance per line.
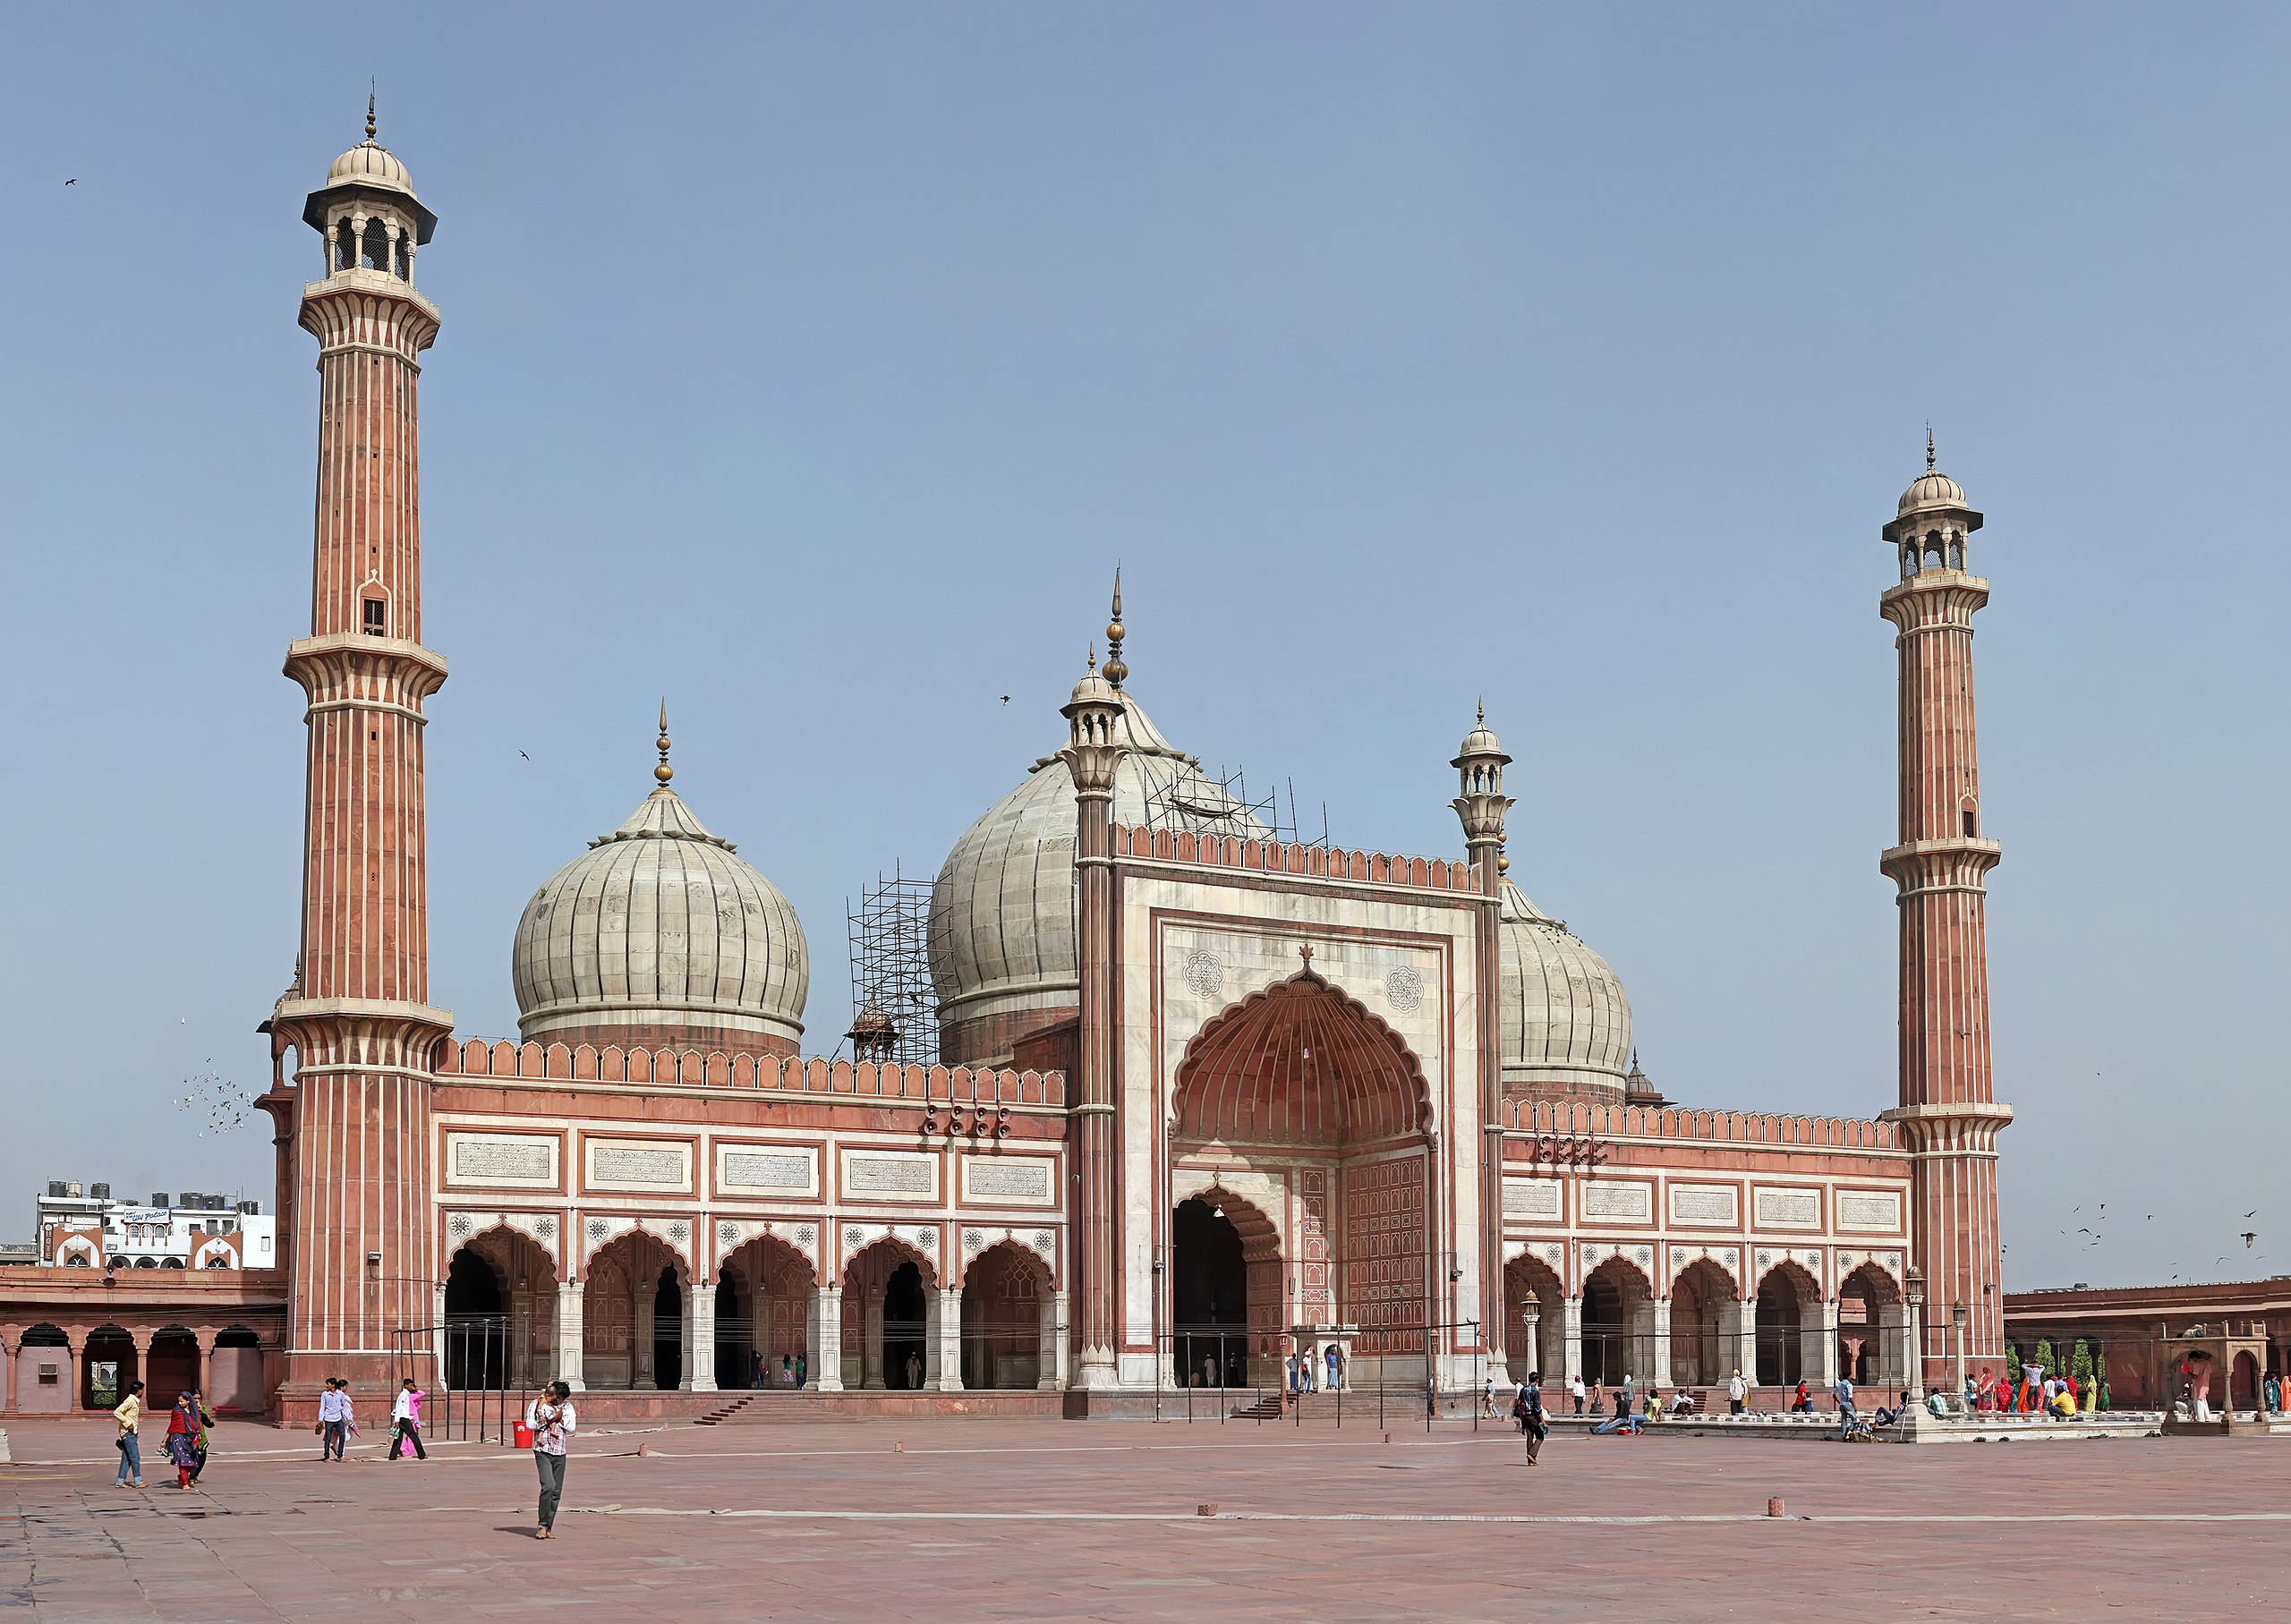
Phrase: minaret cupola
x=367 y=213
x=1931 y=522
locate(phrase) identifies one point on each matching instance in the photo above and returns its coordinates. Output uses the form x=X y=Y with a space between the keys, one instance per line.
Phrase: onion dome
x=1932 y=490
x=1566 y=1024
x=1003 y=961
x=370 y=167
x=660 y=934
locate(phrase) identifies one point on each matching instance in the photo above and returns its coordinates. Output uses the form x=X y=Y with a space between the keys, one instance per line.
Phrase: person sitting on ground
x=1682 y=1402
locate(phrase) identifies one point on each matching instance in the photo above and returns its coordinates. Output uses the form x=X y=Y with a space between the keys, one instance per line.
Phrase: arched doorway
x=763 y=1332
x=1209 y=1297
x=889 y=1310
x=500 y=1324
x=476 y=1351
x=234 y=1372
x=174 y=1363
x=109 y=1365
x=1706 y=1320
x=1618 y=1326
x=632 y=1316
x=1871 y=1323
x=1522 y=1275
x=1785 y=1299
x=2244 y=1384
x=1303 y=1079
x=44 y=1371
x=1005 y=1294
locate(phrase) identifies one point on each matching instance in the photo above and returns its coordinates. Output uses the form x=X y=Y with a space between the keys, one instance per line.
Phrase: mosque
x=1206 y=1098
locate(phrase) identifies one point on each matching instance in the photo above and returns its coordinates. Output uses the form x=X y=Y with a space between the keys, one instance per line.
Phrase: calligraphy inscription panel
x=1868 y=1210
x=643 y=1167
x=1789 y=1209
x=1702 y=1204
x=885 y=1173
x=1007 y=1179
x=499 y=1160
x=1633 y=1202
x=773 y=1172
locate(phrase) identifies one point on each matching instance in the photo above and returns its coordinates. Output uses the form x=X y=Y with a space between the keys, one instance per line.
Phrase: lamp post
x=1916 y=1292
x=1530 y=1317
x=1959 y=1316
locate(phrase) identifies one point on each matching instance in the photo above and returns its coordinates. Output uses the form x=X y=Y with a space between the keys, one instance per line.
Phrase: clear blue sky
x=815 y=365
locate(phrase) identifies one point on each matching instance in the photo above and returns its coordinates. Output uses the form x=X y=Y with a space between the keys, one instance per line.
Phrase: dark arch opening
x=1209 y=1297
x=476 y=1345
x=668 y=1331
x=1780 y=1329
x=1604 y=1340
x=904 y=1321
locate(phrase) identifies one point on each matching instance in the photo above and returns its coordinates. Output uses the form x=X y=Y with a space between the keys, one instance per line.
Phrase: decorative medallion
x=854 y=1236
x=1765 y=1259
x=1551 y=1256
x=728 y=1234
x=545 y=1226
x=805 y=1235
x=927 y=1239
x=459 y=1226
x=974 y=1239
x=1205 y=973
x=599 y=1228
x=679 y=1231
x=1044 y=1239
x=1404 y=986
x=1645 y=1256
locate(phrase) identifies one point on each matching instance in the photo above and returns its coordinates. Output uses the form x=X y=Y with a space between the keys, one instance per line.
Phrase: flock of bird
x=2249 y=1238
x=217 y=1101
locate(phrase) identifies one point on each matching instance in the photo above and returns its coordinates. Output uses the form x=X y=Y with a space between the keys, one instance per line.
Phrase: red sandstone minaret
x=1092 y=753
x=354 y=1120
x=1948 y=1113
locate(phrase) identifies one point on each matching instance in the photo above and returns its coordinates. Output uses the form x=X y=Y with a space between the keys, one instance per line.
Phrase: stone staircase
x=722 y=1413
x=1268 y=1409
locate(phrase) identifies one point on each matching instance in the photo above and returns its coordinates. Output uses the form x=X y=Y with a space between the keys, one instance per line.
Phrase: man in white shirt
x=405 y=1421
x=553 y=1423
x=1575 y=1391
x=1737 y=1390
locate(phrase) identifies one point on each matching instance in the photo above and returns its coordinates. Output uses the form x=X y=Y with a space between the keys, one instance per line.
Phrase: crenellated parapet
x=1583 y=1119
x=482 y=1058
x=1280 y=857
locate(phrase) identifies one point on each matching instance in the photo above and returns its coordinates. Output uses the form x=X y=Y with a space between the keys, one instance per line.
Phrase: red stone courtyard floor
x=1062 y=1520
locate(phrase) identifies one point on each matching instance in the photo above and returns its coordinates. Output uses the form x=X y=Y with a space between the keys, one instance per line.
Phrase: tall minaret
x=1948 y=1111
x=1482 y=805
x=356 y=1120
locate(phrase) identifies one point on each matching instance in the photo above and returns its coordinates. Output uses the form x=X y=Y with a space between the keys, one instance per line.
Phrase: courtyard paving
x=1022 y=1519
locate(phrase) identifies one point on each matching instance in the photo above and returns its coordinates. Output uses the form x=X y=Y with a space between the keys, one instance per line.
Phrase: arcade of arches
x=1704 y=1331
x=636 y=1313
x=1300 y=1088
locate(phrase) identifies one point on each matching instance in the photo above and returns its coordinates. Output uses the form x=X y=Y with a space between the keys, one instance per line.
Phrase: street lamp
x=1915 y=1293
x=1959 y=1315
x=1530 y=1316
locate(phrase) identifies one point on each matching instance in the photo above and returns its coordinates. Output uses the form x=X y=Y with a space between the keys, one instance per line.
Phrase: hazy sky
x=813 y=366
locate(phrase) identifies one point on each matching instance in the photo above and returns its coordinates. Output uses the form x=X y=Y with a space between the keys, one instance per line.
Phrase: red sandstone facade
x=1303 y=1056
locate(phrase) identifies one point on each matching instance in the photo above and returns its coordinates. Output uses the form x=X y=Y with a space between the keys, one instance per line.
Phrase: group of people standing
x=1302 y=1373
x=186 y=1437
x=2034 y=1394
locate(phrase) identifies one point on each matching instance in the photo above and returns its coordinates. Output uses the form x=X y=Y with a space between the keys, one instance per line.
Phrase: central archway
x=1209 y=1291
x=1320 y=1110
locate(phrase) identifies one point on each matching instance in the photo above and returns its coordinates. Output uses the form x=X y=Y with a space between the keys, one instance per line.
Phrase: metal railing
x=470 y=1395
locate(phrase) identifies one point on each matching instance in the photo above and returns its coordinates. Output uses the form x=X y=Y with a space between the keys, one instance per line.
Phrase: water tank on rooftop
x=72 y=1188
x=56 y=1189
x=250 y=1208
x=101 y=1192
x=159 y=1198
x=192 y=1198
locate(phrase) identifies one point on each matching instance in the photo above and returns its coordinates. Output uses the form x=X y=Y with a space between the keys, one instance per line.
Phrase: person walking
x=334 y=1426
x=1529 y=1410
x=1802 y=1402
x=552 y=1421
x=1491 y=1395
x=201 y=1418
x=1843 y=1393
x=1630 y=1394
x=914 y=1370
x=405 y=1421
x=130 y=1442
x=1575 y=1390
x=180 y=1430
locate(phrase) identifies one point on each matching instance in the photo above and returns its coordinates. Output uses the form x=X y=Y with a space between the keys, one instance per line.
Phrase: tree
x=2079 y=1366
x=2013 y=1364
x=2045 y=1361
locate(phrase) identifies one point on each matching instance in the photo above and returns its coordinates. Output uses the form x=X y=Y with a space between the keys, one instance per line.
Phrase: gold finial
x=1093 y=654
x=1483 y=710
x=664 y=772
x=1929 y=447
x=1502 y=863
x=370 y=109
x=1115 y=669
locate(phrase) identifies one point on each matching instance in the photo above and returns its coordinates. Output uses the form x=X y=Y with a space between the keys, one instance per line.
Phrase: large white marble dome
x=1002 y=954
x=1566 y=1024
x=661 y=926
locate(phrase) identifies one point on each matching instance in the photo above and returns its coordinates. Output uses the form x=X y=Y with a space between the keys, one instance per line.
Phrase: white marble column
x=823 y=1340
x=1820 y=1360
x=569 y=1333
x=1742 y=1355
x=699 y=1376
x=1571 y=1316
x=946 y=1373
x=1055 y=1339
x=1658 y=1369
x=1046 y=1344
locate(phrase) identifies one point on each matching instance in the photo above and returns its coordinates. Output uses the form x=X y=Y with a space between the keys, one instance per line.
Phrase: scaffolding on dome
x=890 y=964
x=1194 y=800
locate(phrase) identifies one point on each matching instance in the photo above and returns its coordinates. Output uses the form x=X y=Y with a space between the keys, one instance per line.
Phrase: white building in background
x=86 y=1227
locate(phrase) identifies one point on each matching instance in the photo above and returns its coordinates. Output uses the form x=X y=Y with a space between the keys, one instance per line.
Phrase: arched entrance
x=1327 y=1107
x=475 y=1354
x=108 y=1360
x=1705 y=1319
x=632 y=1315
x=1618 y=1326
x=501 y=1323
x=1522 y=1275
x=760 y=1321
x=44 y=1371
x=888 y=1311
x=1006 y=1296
x=1786 y=1297
x=1871 y=1323
x=1209 y=1293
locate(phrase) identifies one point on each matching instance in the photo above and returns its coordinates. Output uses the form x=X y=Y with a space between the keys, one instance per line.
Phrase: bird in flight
x=74 y=181
x=527 y=757
x=1006 y=699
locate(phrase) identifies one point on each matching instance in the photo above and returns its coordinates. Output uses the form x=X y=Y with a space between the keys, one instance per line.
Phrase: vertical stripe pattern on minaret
x=1948 y=1113
x=356 y=1116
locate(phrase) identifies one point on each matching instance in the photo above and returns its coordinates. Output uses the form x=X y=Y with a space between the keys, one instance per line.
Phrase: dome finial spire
x=370 y=108
x=1929 y=448
x=664 y=772
x=1115 y=632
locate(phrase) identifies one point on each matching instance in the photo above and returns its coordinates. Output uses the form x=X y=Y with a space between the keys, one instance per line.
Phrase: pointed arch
x=1299 y=1062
